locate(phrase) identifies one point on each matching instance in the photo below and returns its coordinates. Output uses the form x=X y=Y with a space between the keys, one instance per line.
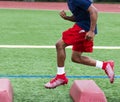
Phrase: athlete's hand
x=63 y=14
x=90 y=35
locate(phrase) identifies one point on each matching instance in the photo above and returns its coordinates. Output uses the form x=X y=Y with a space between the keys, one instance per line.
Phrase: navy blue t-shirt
x=79 y=10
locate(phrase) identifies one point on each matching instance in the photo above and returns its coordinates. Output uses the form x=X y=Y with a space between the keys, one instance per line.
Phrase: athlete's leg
x=61 y=54
x=60 y=78
x=78 y=58
x=107 y=66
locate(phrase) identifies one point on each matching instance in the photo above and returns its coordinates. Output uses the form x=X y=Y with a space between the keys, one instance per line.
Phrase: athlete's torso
x=79 y=10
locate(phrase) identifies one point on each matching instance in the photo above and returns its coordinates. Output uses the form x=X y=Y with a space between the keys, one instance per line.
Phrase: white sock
x=99 y=64
x=60 y=70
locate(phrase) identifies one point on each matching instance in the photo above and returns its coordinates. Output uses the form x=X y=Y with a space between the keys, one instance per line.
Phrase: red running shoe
x=57 y=81
x=109 y=70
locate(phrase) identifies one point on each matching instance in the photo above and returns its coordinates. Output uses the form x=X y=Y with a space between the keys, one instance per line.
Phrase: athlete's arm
x=65 y=17
x=93 y=18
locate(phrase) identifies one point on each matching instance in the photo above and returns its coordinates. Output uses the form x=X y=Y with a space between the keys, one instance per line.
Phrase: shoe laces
x=54 y=79
x=109 y=69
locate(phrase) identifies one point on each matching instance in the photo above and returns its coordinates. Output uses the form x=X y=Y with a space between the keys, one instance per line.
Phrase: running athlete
x=81 y=37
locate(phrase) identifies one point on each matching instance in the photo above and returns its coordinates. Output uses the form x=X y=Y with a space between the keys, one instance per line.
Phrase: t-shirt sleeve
x=84 y=4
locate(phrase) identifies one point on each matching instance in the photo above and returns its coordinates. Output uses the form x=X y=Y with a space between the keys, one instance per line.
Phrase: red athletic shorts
x=76 y=36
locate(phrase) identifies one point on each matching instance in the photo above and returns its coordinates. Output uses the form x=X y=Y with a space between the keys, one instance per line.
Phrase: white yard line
x=43 y=47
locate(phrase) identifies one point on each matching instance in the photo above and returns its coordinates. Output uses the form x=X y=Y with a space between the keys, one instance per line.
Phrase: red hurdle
x=6 y=90
x=86 y=91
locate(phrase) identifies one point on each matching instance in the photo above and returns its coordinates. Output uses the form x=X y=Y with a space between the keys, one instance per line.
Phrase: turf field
x=29 y=69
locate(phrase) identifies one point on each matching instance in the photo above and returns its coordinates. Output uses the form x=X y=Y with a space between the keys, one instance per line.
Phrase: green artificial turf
x=37 y=27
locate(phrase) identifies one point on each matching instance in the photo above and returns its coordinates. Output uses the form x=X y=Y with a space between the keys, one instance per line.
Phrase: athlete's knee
x=76 y=57
x=57 y=44
x=73 y=59
x=60 y=44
